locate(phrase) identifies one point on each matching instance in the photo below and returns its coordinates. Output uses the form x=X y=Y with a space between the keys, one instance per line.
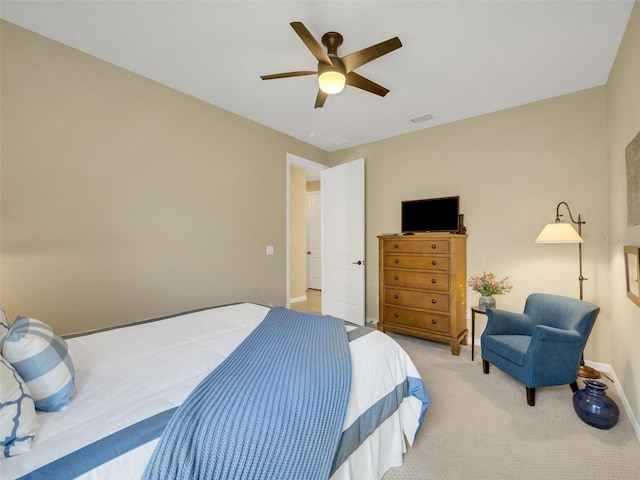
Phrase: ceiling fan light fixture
x=331 y=81
x=334 y=72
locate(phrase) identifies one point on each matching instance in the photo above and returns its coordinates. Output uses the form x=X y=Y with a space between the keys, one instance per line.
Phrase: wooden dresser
x=423 y=292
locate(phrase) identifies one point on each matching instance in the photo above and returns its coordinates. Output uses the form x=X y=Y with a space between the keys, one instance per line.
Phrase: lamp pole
x=580 y=276
x=578 y=222
x=584 y=371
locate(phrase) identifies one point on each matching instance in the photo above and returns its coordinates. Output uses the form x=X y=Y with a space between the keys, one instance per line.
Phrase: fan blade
x=356 y=59
x=359 y=81
x=312 y=44
x=288 y=74
x=320 y=99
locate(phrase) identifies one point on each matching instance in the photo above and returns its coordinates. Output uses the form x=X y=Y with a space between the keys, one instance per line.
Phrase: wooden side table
x=474 y=310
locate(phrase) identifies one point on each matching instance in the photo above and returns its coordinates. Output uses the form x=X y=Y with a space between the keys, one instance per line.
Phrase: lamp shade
x=331 y=81
x=559 y=232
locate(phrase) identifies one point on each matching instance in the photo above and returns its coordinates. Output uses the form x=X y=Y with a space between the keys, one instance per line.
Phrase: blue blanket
x=274 y=409
x=103 y=450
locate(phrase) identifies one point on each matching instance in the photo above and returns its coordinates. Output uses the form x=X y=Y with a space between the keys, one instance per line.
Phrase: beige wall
x=313 y=186
x=511 y=169
x=623 y=91
x=298 y=233
x=123 y=199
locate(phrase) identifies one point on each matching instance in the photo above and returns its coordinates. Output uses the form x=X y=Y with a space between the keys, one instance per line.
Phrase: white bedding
x=129 y=374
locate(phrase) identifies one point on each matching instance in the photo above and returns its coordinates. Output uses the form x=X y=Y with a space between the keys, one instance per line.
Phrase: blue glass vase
x=594 y=407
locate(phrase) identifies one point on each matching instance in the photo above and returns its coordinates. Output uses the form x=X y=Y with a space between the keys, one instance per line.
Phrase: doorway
x=342 y=237
x=303 y=257
x=314 y=239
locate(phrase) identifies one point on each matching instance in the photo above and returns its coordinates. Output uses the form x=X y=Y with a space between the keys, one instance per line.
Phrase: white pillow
x=18 y=420
x=4 y=325
x=41 y=357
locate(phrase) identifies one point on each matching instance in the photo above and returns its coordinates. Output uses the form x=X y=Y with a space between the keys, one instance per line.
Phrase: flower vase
x=594 y=407
x=486 y=302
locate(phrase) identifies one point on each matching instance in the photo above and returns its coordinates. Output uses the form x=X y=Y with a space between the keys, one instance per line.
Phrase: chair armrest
x=554 y=343
x=502 y=322
x=553 y=356
x=547 y=333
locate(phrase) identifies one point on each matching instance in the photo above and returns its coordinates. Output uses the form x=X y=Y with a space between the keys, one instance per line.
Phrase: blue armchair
x=542 y=346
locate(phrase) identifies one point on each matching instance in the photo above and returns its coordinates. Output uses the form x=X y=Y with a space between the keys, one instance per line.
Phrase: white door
x=343 y=289
x=314 y=241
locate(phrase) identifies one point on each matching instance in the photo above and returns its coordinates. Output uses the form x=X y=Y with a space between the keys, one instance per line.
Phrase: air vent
x=422 y=118
x=338 y=140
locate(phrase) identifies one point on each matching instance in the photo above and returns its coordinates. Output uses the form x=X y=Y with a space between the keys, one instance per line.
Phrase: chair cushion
x=509 y=347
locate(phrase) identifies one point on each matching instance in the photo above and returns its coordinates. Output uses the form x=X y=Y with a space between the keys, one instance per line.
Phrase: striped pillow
x=42 y=359
x=18 y=420
x=4 y=325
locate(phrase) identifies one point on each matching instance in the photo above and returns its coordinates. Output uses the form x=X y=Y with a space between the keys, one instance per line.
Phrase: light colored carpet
x=480 y=427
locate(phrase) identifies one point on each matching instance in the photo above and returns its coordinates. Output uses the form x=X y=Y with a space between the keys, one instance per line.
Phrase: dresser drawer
x=434 y=322
x=416 y=246
x=411 y=298
x=418 y=262
x=424 y=280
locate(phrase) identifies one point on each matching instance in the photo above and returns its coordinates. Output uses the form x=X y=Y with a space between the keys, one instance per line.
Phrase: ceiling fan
x=334 y=71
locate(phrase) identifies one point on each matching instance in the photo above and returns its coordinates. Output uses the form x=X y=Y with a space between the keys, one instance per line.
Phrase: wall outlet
x=269 y=249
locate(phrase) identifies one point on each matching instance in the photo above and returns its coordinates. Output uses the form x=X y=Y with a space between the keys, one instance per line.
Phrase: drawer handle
x=396 y=277
x=434 y=321
x=433 y=262
x=396 y=246
x=434 y=301
x=433 y=280
x=433 y=245
x=396 y=296
x=397 y=315
x=396 y=260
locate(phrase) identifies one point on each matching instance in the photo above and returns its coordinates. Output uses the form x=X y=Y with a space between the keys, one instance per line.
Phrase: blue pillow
x=18 y=420
x=41 y=357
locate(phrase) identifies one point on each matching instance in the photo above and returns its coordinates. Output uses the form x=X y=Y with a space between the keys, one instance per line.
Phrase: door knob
x=359 y=262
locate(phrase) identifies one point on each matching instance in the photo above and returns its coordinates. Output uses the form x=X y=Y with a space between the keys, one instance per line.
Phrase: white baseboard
x=608 y=369
x=298 y=299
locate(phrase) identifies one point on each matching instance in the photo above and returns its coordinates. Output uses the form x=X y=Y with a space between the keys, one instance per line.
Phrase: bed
x=136 y=376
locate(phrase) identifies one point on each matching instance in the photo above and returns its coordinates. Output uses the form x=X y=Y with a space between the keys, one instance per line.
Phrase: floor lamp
x=560 y=232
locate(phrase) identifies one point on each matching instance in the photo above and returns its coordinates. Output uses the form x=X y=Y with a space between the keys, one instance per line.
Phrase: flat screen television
x=430 y=215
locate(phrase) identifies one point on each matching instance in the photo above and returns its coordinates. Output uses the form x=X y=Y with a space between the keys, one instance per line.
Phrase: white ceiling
x=459 y=58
